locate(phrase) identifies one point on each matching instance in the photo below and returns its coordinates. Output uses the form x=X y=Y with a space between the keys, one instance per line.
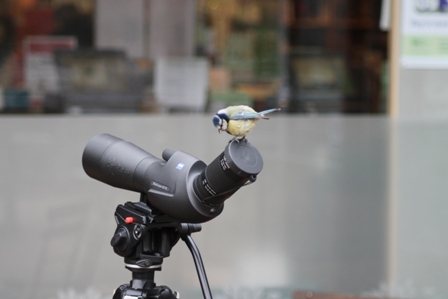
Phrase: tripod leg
x=199 y=266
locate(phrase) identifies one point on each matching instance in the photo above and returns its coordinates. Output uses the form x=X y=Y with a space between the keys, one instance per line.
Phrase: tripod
x=144 y=237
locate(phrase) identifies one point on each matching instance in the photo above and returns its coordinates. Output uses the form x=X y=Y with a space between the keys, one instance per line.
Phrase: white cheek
x=224 y=125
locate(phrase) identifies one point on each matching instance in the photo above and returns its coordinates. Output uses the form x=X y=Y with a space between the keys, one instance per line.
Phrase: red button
x=129 y=220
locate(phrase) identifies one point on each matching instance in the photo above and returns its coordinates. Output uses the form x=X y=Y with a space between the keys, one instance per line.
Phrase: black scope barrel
x=116 y=162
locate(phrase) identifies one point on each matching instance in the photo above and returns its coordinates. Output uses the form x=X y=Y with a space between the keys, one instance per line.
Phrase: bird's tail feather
x=263 y=113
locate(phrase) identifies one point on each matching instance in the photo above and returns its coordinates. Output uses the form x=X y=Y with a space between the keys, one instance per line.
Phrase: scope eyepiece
x=239 y=163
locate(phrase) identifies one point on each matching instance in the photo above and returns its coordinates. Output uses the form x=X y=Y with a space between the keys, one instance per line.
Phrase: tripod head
x=144 y=238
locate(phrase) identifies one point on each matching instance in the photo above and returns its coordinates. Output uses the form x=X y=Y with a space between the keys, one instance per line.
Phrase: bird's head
x=220 y=120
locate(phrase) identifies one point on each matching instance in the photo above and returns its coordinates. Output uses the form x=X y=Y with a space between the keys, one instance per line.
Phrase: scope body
x=179 y=185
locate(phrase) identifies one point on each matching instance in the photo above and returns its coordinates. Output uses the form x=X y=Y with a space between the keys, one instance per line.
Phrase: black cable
x=199 y=266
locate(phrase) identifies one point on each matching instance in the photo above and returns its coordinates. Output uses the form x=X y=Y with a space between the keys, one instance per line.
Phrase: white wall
x=316 y=218
x=423 y=94
x=343 y=204
x=418 y=244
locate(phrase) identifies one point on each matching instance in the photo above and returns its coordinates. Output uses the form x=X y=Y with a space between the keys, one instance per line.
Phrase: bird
x=239 y=120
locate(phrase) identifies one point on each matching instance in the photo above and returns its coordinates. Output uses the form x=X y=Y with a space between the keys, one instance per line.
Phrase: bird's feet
x=236 y=139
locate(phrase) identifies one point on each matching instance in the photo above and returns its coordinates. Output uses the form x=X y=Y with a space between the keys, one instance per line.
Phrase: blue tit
x=239 y=120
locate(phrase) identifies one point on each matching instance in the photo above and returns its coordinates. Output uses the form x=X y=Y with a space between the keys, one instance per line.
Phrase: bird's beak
x=219 y=131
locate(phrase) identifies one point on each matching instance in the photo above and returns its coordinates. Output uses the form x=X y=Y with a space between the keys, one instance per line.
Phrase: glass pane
x=306 y=56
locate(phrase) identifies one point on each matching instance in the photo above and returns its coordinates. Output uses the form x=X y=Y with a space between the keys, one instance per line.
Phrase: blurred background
x=149 y=56
x=352 y=197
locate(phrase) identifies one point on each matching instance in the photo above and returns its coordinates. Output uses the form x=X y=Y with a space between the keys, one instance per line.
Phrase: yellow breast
x=240 y=128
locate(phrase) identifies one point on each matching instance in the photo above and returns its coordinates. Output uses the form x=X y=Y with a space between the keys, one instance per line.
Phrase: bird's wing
x=245 y=115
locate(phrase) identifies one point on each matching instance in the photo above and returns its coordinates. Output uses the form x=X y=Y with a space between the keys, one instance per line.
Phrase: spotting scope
x=178 y=185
